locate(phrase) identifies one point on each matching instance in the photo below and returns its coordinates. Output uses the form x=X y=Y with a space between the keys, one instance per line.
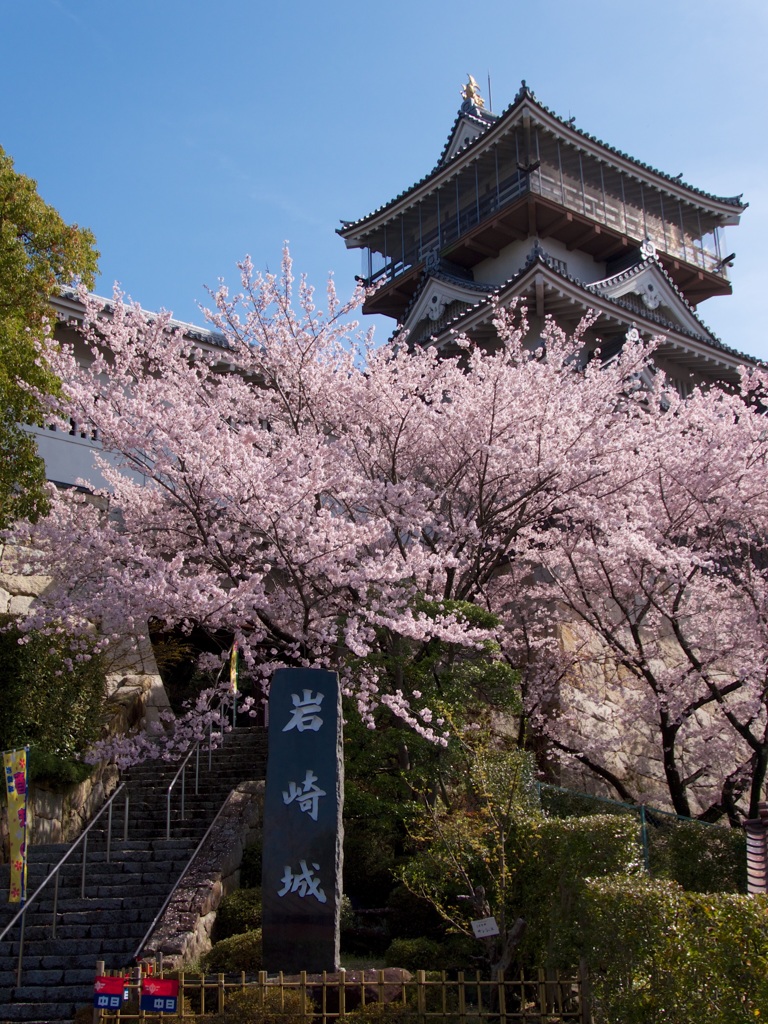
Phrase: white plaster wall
x=512 y=259
x=69 y=458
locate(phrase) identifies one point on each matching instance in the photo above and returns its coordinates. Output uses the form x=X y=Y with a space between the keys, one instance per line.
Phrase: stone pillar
x=302 y=858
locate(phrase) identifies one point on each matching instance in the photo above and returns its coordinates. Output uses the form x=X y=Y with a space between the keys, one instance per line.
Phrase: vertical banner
x=15 y=765
x=233 y=677
x=302 y=856
x=233 y=668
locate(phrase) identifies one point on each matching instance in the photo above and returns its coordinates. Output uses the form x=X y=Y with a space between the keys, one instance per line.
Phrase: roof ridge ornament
x=523 y=91
x=648 y=249
x=471 y=95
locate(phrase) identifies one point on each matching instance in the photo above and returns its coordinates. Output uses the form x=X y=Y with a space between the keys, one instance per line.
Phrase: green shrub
x=460 y=952
x=660 y=955
x=701 y=857
x=235 y=954
x=554 y=857
x=53 y=768
x=415 y=955
x=411 y=917
x=273 y=1006
x=53 y=694
x=238 y=912
x=250 y=866
x=383 y=1013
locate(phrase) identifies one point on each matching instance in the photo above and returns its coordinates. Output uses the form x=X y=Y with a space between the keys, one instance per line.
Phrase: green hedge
x=554 y=857
x=53 y=694
x=273 y=1007
x=238 y=912
x=234 y=954
x=660 y=955
x=700 y=856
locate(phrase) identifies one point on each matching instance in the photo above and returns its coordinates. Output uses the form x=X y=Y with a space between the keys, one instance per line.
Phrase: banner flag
x=233 y=668
x=15 y=764
x=159 y=994
x=109 y=992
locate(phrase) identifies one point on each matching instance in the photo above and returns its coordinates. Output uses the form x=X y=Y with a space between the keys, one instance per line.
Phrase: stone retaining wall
x=58 y=814
x=136 y=698
x=184 y=931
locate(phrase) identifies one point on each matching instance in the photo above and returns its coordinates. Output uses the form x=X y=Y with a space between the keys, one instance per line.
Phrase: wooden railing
x=468 y=998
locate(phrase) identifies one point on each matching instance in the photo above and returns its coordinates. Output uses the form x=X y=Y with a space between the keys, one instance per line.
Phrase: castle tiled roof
x=201 y=334
x=540 y=258
x=490 y=122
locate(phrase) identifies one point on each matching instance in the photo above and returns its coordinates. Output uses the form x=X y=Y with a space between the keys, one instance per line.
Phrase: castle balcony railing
x=624 y=206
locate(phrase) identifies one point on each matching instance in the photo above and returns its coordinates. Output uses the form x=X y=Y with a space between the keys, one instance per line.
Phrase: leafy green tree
x=466 y=856
x=39 y=252
x=53 y=694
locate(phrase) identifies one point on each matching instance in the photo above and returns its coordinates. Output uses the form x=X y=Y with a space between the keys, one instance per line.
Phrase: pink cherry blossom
x=306 y=492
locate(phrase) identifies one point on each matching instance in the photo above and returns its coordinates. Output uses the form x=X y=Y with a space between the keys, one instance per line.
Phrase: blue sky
x=186 y=133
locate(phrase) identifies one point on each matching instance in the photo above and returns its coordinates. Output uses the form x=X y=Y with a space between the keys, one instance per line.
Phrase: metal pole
x=644 y=832
x=682 y=230
x=197 y=767
x=55 y=905
x=183 y=792
x=210 y=742
x=21 y=948
x=109 y=831
x=82 y=876
x=125 y=820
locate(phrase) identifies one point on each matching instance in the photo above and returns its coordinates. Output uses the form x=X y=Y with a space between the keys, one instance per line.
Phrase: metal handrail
x=179 y=880
x=183 y=773
x=54 y=874
x=169 y=792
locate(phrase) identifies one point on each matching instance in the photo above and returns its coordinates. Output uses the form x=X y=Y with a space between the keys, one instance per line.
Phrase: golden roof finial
x=471 y=93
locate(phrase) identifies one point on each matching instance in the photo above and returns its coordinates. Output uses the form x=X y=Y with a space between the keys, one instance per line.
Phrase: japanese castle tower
x=524 y=205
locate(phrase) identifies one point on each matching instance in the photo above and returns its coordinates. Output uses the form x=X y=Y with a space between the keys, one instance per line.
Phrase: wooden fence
x=540 y=997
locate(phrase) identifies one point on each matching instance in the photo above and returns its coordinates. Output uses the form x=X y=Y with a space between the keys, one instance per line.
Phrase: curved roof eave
x=67 y=303
x=621 y=160
x=501 y=296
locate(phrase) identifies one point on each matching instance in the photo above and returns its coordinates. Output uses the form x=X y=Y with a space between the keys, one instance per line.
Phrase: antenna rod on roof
x=490 y=101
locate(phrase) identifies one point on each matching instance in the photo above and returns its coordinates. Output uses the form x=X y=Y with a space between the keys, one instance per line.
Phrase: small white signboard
x=485 y=928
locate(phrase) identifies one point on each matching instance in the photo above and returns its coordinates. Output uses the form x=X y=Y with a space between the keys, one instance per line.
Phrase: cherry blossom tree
x=668 y=574
x=304 y=490
x=328 y=502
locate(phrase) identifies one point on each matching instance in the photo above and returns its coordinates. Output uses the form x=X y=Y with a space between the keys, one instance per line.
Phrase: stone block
x=31 y=586
x=20 y=604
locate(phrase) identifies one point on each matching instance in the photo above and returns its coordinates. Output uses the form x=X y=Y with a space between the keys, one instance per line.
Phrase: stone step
x=85 y=960
x=53 y=993
x=102 y=930
x=114 y=943
x=38 y=1013
x=122 y=895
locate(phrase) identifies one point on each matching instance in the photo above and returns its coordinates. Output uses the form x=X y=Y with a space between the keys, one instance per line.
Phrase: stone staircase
x=123 y=896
